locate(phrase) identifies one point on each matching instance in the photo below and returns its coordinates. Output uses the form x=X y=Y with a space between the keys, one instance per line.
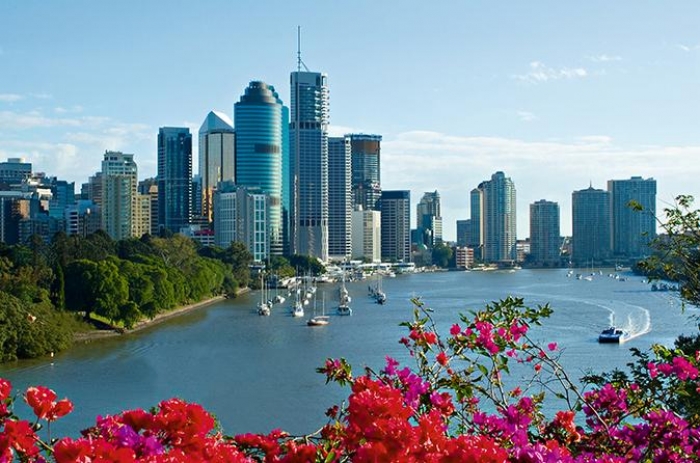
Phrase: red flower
x=41 y=399
x=442 y=358
x=5 y=389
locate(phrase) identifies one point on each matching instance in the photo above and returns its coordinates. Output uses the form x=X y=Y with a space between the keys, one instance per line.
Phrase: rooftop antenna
x=300 y=63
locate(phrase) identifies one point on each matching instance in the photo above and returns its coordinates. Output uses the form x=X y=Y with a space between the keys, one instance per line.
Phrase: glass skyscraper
x=174 y=178
x=429 y=219
x=366 y=179
x=308 y=143
x=496 y=211
x=591 y=224
x=396 y=225
x=632 y=229
x=216 y=158
x=259 y=120
x=545 y=239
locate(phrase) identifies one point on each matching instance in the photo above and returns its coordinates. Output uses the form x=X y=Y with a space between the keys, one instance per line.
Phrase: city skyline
x=558 y=96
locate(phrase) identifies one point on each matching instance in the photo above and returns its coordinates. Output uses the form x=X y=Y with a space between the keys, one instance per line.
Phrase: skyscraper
x=366 y=178
x=308 y=143
x=259 y=119
x=464 y=230
x=591 y=225
x=120 y=211
x=174 y=178
x=429 y=219
x=495 y=201
x=339 y=198
x=395 y=207
x=632 y=228
x=545 y=239
x=216 y=157
x=476 y=205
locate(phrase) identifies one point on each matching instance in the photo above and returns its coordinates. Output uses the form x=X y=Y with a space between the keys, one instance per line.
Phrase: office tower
x=241 y=214
x=62 y=195
x=339 y=198
x=216 y=157
x=14 y=206
x=14 y=172
x=429 y=219
x=476 y=205
x=632 y=229
x=367 y=235
x=174 y=178
x=259 y=119
x=366 y=179
x=496 y=198
x=464 y=229
x=545 y=239
x=395 y=208
x=119 y=207
x=149 y=188
x=308 y=144
x=94 y=188
x=591 y=225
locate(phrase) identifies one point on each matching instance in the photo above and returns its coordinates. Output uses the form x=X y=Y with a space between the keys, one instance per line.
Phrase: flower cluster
x=456 y=404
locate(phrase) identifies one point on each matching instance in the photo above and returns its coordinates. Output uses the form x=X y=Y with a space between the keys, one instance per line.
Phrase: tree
x=442 y=254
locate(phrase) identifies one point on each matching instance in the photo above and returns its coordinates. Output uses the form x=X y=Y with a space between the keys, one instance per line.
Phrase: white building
x=367 y=235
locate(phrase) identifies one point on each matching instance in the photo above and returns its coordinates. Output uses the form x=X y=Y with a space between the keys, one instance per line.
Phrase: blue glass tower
x=259 y=118
x=174 y=178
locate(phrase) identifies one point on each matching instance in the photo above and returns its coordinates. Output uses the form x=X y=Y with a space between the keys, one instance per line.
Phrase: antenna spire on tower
x=300 y=63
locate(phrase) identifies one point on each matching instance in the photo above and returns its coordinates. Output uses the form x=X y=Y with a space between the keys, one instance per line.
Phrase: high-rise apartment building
x=259 y=118
x=308 y=143
x=120 y=210
x=367 y=235
x=633 y=228
x=366 y=178
x=216 y=157
x=545 y=236
x=495 y=209
x=476 y=204
x=395 y=208
x=429 y=219
x=241 y=214
x=339 y=198
x=174 y=178
x=591 y=226
x=149 y=188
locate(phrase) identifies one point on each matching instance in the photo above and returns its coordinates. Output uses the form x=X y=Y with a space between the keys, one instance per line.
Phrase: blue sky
x=557 y=95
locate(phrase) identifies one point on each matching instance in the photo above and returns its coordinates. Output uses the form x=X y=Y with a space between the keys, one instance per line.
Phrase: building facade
x=591 y=226
x=395 y=208
x=174 y=178
x=545 y=235
x=120 y=210
x=216 y=158
x=259 y=118
x=367 y=235
x=633 y=228
x=339 y=199
x=464 y=229
x=308 y=144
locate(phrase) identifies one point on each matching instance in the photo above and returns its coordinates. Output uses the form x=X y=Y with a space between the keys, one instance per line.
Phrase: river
x=258 y=373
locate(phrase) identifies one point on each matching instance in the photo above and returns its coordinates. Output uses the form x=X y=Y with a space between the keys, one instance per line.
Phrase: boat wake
x=634 y=320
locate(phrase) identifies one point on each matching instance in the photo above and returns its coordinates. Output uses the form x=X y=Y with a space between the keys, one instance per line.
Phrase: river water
x=258 y=373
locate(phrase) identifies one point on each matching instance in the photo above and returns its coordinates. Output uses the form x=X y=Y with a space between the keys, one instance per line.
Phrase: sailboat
x=297 y=305
x=344 y=296
x=264 y=305
x=320 y=320
x=379 y=295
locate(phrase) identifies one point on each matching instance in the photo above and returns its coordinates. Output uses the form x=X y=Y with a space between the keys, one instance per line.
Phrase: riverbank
x=147 y=323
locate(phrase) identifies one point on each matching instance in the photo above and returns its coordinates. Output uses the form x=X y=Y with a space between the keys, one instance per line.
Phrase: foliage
x=455 y=404
x=307 y=265
x=442 y=255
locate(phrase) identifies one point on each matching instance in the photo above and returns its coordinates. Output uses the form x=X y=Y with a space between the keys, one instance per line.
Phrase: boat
x=612 y=335
x=344 y=299
x=297 y=307
x=264 y=305
x=319 y=320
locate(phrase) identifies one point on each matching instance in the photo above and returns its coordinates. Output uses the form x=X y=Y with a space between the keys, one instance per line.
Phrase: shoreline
x=147 y=323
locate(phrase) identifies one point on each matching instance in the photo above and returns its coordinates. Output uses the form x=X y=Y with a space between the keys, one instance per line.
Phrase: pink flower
x=552 y=346
x=455 y=330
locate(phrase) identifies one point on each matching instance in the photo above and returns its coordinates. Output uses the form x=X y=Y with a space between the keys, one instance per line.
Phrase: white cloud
x=72 y=109
x=10 y=97
x=604 y=58
x=688 y=48
x=526 y=116
x=540 y=73
x=32 y=120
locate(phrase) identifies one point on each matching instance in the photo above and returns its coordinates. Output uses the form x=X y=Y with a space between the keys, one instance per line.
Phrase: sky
x=557 y=95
